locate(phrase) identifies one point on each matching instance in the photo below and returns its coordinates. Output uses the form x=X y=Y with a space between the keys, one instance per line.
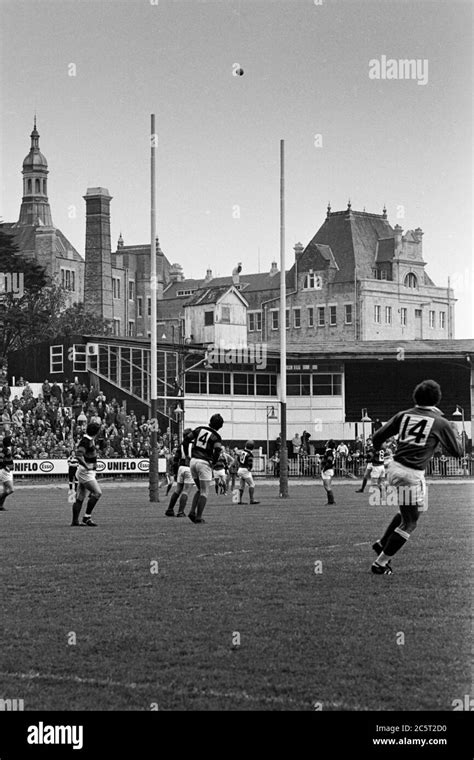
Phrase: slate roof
x=25 y=238
x=211 y=295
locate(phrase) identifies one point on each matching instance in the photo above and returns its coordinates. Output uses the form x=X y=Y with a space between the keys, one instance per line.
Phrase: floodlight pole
x=153 y=473
x=284 y=449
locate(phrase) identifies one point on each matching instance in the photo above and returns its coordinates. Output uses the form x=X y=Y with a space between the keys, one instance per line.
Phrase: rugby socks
x=182 y=503
x=2 y=499
x=92 y=501
x=364 y=483
x=173 y=500
x=330 y=497
x=76 y=510
x=395 y=522
x=241 y=493
x=192 y=511
x=394 y=543
x=201 y=504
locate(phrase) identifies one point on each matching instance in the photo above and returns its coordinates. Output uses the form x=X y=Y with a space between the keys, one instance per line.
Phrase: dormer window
x=312 y=281
x=411 y=281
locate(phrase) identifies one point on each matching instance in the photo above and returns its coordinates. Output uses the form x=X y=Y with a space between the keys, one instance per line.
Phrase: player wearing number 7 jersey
x=420 y=430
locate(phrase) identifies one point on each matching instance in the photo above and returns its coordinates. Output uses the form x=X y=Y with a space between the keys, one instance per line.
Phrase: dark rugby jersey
x=328 y=460
x=87 y=450
x=6 y=453
x=182 y=455
x=420 y=430
x=246 y=459
x=206 y=444
x=376 y=457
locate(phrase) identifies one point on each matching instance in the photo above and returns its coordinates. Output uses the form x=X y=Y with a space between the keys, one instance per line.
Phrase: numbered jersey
x=376 y=457
x=245 y=459
x=206 y=444
x=420 y=430
x=328 y=460
x=87 y=450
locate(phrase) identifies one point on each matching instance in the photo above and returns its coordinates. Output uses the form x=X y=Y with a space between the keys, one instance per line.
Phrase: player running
x=86 y=454
x=327 y=469
x=73 y=464
x=245 y=460
x=6 y=469
x=206 y=448
x=182 y=473
x=375 y=470
x=420 y=430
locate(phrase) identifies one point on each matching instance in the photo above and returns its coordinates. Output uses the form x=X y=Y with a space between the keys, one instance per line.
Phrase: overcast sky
x=306 y=73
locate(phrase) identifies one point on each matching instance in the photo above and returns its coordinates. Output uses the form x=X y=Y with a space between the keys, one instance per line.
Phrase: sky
x=94 y=71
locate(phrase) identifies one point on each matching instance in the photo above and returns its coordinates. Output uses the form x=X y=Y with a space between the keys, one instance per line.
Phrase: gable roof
x=213 y=295
x=25 y=236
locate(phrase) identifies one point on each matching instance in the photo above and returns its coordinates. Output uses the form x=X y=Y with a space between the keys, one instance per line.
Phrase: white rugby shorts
x=200 y=470
x=377 y=471
x=327 y=474
x=6 y=477
x=85 y=476
x=184 y=475
x=410 y=485
x=246 y=476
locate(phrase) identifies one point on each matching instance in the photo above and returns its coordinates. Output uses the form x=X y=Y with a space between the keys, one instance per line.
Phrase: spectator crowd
x=49 y=425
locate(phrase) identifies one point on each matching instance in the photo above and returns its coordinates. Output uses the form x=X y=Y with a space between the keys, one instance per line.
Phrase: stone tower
x=35 y=208
x=98 y=268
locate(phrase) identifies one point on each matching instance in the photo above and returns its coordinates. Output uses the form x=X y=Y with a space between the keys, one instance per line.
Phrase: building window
x=208 y=318
x=321 y=316
x=244 y=384
x=79 y=363
x=140 y=306
x=299 y=384
x=225 y=314
x=287 y=320
x=296 y=318
x=116 y=326
x=196 y=382
x=68 y=279
x=332 y=316
x=348 y=313
x=255 y=321
x=275 y=319
x=131 y=290
x=312 y=282
x=116 y=287
x=219 y=383
x=327 y=385
x=266 y=384
x=377 y=314
x=131 y=327
x=411 y=281
x=184 y=293
x=56 y=359
x=418 y=314
x=442 y=320
x=432 y=318
x=148 y=301
x=37 y=186
x=30 y=188
x=403 y=316
x=388 y=315
x=44 y=187
x=310 y=316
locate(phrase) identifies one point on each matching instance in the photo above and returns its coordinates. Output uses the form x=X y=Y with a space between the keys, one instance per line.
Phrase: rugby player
x=327 y=469
x=375 y=469
x=86 y=455
x=245 y=459
x=420 y=430
x=182 y=473
x=6 y=468
x=206 y=448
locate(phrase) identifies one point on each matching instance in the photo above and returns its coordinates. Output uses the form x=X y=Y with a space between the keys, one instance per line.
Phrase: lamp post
x=460 y=413
x=271 y=415
x=178 y=413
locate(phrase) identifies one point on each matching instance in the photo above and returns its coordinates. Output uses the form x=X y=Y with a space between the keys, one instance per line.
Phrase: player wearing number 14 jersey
x=420 y=430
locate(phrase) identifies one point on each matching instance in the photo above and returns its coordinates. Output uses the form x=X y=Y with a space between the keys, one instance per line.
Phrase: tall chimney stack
x=98 y=266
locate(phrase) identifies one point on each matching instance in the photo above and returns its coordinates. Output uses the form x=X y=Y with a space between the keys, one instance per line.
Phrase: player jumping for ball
x=327 y=469
x=6 y=469
x=420 y=430
x=206 y=448
x=245 y=459
x=86 y=455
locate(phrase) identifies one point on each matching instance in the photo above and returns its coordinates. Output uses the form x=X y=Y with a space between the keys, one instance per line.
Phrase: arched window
x=44 y=187
x=30 y=186
x=37 y=186
x=411 y=281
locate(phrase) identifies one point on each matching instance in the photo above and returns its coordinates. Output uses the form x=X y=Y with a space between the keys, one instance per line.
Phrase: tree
x=75 y=320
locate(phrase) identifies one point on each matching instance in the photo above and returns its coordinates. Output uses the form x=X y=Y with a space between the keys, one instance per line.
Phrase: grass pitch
x=269 y=607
